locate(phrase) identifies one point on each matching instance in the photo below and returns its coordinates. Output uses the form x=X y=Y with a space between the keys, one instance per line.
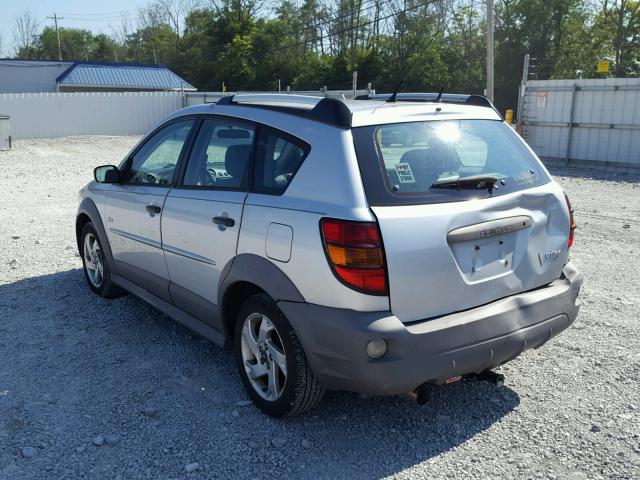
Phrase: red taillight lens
x=350 y=234
x=572 y=224
x=354 y=251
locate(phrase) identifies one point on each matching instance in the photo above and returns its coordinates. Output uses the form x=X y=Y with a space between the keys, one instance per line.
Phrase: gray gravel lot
x=91 y=388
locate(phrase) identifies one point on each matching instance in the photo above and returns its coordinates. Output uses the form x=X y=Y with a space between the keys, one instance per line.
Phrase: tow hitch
x=422 y=394
x=493 y=378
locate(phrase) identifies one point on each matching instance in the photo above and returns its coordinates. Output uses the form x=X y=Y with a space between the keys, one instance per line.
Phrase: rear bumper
x=471 y=341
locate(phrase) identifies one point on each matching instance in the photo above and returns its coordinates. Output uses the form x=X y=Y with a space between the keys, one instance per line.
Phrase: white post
x=490 y=50
x=355 y=82
x=523 y=91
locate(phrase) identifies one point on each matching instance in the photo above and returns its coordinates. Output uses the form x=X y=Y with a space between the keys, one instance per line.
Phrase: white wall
x=48 y=115
x=21 y=76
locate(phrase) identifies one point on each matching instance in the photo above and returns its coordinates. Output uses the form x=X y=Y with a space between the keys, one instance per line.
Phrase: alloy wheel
x=263 y=356
x=93 y=260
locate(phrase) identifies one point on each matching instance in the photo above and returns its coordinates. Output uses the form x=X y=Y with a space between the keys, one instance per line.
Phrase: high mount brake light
x=354 y=251
x=572 y=223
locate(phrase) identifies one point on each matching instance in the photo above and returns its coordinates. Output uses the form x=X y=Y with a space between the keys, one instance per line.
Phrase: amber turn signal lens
x=572 y=224
x=355 y=257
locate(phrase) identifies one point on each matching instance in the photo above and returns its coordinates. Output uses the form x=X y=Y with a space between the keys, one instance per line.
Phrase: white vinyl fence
x=49 y=115
x=46 y=115
x=584 y=122
x=195 y=98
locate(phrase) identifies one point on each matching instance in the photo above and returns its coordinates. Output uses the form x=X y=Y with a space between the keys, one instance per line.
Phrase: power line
x=345 y=30
x=316 y=26
x=114 y=14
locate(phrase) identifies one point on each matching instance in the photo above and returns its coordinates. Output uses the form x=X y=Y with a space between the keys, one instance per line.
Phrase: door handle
x=226 y=221
x=152 y=208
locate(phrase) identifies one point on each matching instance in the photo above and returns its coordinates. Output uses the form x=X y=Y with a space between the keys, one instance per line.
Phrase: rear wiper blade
x=476 y=182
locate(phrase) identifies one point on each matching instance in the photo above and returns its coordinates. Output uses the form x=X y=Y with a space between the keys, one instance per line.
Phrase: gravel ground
x=91 y=388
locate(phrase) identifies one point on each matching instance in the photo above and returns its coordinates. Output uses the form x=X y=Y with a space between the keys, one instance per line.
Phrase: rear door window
x=414 y=158
x=278 y=158
x=221 y=155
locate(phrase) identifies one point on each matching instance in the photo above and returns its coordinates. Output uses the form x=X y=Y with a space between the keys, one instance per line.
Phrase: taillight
x=572 y=224
x=354 y=251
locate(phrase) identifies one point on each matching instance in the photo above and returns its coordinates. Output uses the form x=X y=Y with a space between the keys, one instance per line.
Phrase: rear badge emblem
x=552 y=254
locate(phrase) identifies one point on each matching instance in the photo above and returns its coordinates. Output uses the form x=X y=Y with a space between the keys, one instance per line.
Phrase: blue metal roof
x=122 y=75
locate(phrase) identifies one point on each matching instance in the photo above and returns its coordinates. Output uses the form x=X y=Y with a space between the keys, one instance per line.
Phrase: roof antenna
x=439 y=94
x=393 y=96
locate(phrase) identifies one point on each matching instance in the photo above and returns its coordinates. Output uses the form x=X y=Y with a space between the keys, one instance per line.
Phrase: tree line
x=309 y=44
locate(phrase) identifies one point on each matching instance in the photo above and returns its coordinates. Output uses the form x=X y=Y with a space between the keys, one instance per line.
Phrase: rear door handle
x=152 y=208
x=226 y=221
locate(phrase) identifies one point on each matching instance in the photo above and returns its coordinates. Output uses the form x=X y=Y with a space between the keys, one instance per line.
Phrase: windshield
x=420 y=155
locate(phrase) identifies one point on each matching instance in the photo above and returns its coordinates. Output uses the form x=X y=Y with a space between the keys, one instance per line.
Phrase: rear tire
x=95 y=266
x=271 y=360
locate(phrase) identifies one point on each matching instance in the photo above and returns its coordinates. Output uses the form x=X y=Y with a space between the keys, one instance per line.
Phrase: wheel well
x=81 y=221
x=235 y=295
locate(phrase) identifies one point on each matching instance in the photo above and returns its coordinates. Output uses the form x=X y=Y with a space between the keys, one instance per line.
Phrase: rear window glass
x=419 y=155
x=417 y=159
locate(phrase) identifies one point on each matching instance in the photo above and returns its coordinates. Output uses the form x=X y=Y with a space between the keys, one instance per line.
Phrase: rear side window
x=278 y=158
x=411 y=161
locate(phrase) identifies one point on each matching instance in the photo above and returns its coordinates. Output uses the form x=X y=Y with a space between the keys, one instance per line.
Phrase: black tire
x=302 y=391
x=106 y=288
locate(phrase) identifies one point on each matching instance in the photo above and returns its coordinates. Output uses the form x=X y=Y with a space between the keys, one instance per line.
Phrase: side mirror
x=107 y=174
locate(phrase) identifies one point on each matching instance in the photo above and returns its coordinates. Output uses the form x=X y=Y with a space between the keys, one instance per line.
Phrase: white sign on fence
x=541 y=99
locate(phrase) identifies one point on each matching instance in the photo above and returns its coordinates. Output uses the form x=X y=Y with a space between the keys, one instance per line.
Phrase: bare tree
x=25 y=31
x=150 y=17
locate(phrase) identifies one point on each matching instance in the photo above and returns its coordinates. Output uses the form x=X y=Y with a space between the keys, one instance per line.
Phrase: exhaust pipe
x=496 y=379
x=421 y=395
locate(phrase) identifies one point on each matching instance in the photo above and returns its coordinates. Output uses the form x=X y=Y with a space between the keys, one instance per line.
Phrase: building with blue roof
x=23 y=76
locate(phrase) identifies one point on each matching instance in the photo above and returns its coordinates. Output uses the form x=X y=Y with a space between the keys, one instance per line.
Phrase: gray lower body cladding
x=464 y=342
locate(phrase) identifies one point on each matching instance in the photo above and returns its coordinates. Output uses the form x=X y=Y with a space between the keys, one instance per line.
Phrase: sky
x=97 y=16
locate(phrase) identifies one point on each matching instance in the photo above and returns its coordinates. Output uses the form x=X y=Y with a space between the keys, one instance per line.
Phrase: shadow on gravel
x=81 y=366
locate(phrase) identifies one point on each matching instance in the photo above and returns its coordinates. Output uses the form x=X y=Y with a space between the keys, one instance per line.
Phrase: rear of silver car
x=475 y=238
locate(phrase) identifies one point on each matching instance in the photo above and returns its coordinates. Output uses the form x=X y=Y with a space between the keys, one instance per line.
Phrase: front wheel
x=271 y=360
x=96 y=268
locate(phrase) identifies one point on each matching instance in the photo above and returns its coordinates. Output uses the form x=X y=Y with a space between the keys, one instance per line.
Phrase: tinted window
x=220 y=155
x=278 y=158
x=418 y=155
x=401 y=163
x=155 y=162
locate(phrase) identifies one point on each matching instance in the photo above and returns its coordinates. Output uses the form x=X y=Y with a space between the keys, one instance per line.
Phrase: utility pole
x=155 y=59
x=55 y=19
x=490 y=50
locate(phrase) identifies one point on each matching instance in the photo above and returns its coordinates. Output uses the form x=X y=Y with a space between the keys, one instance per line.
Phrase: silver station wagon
x=381 y=245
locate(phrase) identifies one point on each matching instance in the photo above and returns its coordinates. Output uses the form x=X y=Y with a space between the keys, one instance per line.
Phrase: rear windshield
x=417 y=159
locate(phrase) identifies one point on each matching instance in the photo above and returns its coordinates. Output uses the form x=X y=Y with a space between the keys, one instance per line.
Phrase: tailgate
x=448 y=257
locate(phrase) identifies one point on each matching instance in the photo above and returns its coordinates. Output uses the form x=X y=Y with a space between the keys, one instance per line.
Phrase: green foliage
x=250 y=45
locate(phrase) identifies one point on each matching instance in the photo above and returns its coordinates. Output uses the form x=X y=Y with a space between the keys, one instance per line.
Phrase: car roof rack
x=455 y=98
x=331 y=111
